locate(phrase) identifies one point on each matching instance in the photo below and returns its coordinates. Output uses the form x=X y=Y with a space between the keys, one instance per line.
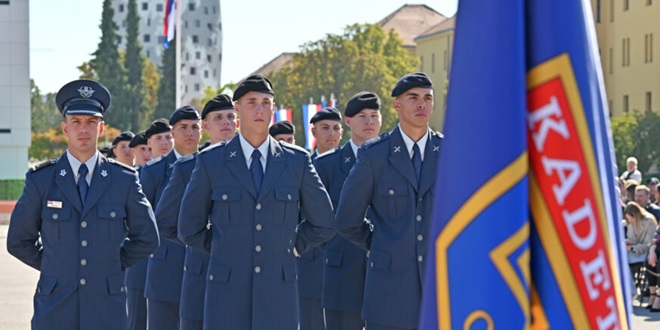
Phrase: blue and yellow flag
x=527 y=231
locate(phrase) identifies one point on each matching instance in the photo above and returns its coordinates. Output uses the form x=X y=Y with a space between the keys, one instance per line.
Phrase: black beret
x=411 y=80
x=158 y=126
x=282 y=127
x=83 y=97
x=184 y=112
x=219 y=102
x=360 y=101
x=138 y=139
x=123 y=136
x=327 y=113
x=253 y=83
x=111 y=153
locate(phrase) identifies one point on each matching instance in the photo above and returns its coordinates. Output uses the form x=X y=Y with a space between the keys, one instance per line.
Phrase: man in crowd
x=283 y=131
x=165 y=268
x=643 y=198
x=219 y=119
x=632 y=173
x=327 y=130
x=121 y=148
x=344 y=269
x=140 y=149
x=253 y=190
x=71 y=226
x=394 y=178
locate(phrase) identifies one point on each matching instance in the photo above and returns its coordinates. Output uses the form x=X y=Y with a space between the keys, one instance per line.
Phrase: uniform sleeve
x=148 y=184
x=23 y=236
x=167 y=210
x=356 y=195
x=142 y=238
x=318 y=226
x=195 y=208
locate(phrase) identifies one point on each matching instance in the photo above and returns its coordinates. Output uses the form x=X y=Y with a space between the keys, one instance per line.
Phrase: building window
x=597 y=11
x=649 y=2
x=6 y=2
x=185 y=24
x=220 y=26
x=444 y=60
x=432 y=62
x=210 y=42
x=159 y=7
x=121 y=8
x=185 y=88
x=210 y=26
x=193 y=71
x=123 y=23
x=149 y=21
x=214 y=9
x=220 y=58
x=206 y=10
x=187 y=56
x=611 y=10
x=198 y=55
x=209 y=58
x=197 y=88
x=625 y=103
x=611 y=60
x=626 y=5
x=648 y=102
x=118 y=40
x=198 y=23
x=609 y=107
x=421 y=63
x=191 y=6
x=206 y=73
x=625 y=60
x=148 y=53
x=214 y=73
x=146 y=38
x=145 y=6
x=195 y=39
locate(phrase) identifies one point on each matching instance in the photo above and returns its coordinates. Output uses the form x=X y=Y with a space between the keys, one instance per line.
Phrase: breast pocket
x=288 y=199
x=393 y=196
x=56 y=224
x=111 y=222
x=226 y=205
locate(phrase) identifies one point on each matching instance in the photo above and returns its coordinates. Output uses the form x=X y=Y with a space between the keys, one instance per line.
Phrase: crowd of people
x=641 y=215
x=246 y=231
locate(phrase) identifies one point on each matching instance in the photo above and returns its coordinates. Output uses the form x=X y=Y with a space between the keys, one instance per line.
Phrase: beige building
x=434 y=48
x=626 y=30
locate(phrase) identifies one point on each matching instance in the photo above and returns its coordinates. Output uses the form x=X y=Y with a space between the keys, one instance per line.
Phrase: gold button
x=224 y=197
x=55 y=216
x=113 y=214
x=258 y=206
x=83 y=224
x=391 y=192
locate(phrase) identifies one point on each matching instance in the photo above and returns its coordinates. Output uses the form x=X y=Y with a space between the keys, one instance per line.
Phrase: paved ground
x=17 y=283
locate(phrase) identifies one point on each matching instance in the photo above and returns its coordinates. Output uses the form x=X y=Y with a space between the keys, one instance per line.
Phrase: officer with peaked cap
x=71 y=226
x=165 y=268
x=394 y=177
x=252 y=189
x=344 y=266
x=219 y=119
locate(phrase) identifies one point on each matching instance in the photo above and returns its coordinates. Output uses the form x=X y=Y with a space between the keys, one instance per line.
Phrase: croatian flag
x=309 y=110
x=170 y=22
x=281 y=115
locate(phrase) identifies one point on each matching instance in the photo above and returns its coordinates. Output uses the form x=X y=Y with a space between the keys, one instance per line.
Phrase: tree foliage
x=44 y=114
x=637 y=135
x=167 y=87
x=364 y=58
x=135 y=102
x=52 y=143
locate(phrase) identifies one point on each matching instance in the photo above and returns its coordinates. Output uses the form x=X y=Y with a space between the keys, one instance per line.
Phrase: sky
x=64 y=33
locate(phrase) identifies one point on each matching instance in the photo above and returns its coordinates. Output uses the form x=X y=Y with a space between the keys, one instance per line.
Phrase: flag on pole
x=281 y=115
x=309 y=110
x=525 y=232
x=170 y=21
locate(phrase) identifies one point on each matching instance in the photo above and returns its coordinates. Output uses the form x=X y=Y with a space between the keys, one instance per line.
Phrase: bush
x=11 y=190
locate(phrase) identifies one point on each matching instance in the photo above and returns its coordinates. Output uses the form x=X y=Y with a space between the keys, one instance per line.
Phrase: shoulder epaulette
x=329 y=152
x=293 y=147
x=213 y=146
x=128 y=167
x=43 y=164
x=440 y=135
x=186 y=158
x=376 y=140
x=154 y=161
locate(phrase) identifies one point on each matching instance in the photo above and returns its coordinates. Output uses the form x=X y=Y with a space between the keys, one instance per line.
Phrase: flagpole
x=177 y=58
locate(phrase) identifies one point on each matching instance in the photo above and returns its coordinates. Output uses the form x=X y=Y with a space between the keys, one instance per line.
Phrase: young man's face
x=83 y=132
x=415 y=107
x=160 y=144
x=186 y=134
x=221 y=125
x=327 y=133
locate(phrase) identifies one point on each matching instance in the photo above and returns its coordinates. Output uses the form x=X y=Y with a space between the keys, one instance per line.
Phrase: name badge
x=55 y=204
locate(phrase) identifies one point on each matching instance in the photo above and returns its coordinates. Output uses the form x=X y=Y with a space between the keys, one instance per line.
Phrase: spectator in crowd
x=643 y=198
x=632 y=173
x=652 y=183
x=640 y=230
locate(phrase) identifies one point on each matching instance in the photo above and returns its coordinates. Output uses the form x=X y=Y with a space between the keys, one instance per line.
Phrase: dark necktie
x=256 y=169
x=417 y=161
x=83 y=187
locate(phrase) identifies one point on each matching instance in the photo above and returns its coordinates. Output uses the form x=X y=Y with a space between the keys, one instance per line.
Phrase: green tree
x=44 y=114
x=637 y=135
x=364 y=57
x=108 y=68
x=167 y=88
x=150 y=83
x=135 y=102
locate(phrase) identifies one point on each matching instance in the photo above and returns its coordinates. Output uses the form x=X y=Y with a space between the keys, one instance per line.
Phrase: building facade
x=626 y=31
x=201 y=40
x=14 y=88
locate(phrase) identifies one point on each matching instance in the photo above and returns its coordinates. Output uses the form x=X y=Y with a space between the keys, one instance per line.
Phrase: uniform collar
x=247 y=149
x=75 y=165
x=409 y=142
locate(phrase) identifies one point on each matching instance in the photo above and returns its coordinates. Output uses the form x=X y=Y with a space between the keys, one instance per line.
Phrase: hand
x=652 y=258
x=628 y=242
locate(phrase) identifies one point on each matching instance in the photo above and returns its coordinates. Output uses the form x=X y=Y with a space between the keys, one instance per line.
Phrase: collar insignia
x=347 y=160
x=397 y=149
x=63 y=172
x=104 y=173
x=436 y=148
x=232 y=154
